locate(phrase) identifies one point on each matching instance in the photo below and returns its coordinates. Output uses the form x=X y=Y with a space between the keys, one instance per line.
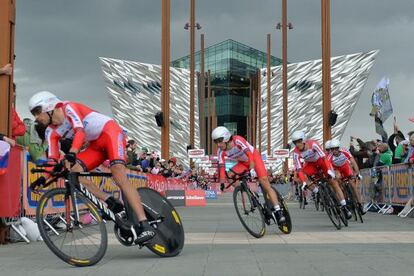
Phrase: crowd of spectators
x=396 y=149
x=143 y=160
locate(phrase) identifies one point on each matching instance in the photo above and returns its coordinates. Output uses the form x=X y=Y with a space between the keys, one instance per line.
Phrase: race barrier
x=395 y=189
x=186 y=197
x=195 y=198
x=210 y=194
x=176 y=197
x=16 y=198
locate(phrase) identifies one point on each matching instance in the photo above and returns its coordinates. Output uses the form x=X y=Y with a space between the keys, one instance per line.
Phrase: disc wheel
x=162 y=216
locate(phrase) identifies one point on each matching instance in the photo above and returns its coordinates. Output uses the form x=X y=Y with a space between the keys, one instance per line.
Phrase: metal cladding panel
x=348 y=77
x=135 y=94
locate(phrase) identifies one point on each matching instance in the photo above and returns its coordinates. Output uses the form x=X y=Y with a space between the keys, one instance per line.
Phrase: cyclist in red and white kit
x=314 y=161
x=105 y=141
x=346 y=166
x=236 y=148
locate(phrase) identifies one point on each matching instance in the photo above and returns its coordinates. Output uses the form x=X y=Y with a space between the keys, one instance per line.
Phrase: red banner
x=10 y=185
x=195 y=198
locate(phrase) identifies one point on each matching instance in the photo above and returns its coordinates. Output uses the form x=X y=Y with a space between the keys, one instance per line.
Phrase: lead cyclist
x=105 y=141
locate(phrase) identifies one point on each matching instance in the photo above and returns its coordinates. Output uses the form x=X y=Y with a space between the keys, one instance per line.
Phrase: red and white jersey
x=81 y=124
x=238 y=153
x=312 y=154
x=343 y=158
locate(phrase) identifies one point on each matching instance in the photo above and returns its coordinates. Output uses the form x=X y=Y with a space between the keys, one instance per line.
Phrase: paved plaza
x=216 y=244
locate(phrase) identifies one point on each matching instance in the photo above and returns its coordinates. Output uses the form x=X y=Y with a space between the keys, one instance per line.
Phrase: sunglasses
x=36 y=111
x=298 y=141
x=219 y=140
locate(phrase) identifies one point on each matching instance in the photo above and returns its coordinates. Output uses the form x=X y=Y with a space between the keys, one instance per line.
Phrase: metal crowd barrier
x=396 y=188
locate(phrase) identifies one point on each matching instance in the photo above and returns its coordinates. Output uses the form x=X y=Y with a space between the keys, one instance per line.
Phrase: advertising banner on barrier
x=176 y=197
x=106 y=184
x=365 y=185
x=400 y=184
x=10 y=184
x=195 y=198
x=211 y=194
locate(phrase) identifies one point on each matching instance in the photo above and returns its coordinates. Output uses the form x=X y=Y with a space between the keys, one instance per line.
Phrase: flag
x=4 y=156
x=381 y=106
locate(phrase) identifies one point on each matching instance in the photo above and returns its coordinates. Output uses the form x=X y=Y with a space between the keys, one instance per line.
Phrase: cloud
x=58 y=42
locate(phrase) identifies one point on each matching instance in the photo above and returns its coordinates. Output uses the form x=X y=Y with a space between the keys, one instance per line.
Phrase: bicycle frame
x=72 y=184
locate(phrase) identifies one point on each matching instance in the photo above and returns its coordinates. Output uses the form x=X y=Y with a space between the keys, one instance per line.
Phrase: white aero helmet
x=328 y=144
x=335 y=143
x=221 y=132
x=44 y=99
x=298 y=135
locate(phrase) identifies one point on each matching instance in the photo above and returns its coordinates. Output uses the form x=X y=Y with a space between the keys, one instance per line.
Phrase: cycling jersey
x=83 y=124
x=243 y=153
x=343 y=158
x=342 y=162
x=314 y=160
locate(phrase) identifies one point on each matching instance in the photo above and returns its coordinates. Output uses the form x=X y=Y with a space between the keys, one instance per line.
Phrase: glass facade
x=231 y=65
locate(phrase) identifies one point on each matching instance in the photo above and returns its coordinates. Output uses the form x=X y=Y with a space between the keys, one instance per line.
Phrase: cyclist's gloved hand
x=331 y=173
x=253 y=173
x=70 y=157
x=359 y=176
x=304 y=186
x=41 y=181
x=222 y=187
x=57 y=168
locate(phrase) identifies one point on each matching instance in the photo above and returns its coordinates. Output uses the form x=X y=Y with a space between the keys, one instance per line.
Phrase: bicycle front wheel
x=249 y=212
x=331 y=209
x=79 y=238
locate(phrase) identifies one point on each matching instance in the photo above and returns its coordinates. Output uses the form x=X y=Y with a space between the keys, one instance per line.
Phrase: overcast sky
x=58 y=43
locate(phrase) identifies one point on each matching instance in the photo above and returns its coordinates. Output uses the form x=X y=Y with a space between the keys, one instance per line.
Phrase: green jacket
x=32 y=142
x=386 y=158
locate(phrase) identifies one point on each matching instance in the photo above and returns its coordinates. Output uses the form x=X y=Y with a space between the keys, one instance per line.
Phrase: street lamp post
x=202 y=90
x=326 y=67
x=259 y=108
x=268 y=95
x=209 y=146
x=192 y=25
x=284 y=26
x=165 y=78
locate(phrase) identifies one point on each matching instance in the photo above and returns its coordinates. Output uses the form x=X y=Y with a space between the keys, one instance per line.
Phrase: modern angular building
x=232 y=65
x=239 y=87
x=349 y=74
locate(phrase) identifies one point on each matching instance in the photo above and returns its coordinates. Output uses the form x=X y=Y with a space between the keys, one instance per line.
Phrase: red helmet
x=174 y=160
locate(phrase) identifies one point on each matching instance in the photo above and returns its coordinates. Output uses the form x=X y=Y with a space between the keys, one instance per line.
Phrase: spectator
x=18 y=128
x=170 y=167
x=178 y=170
x=157 y=168
x=132 y=155
x=394 y=142
x=33 y=141
x=400 y=152
x=410 y=153
x=145 y=163
x=385 y=155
